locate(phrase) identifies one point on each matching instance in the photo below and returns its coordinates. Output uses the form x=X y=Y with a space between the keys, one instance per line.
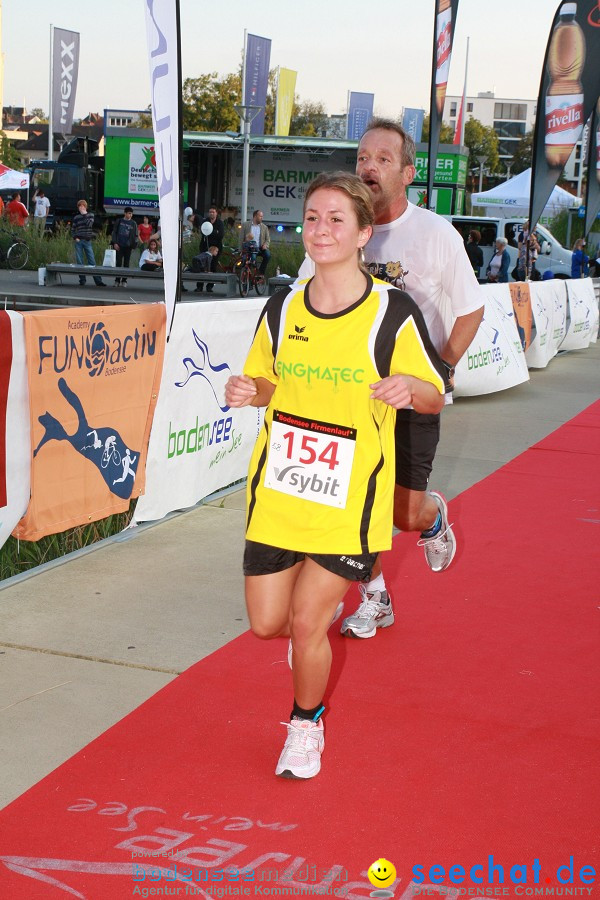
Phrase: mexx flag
x=65 y=67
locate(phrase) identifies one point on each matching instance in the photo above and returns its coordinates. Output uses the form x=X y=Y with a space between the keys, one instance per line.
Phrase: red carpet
x=469 y=730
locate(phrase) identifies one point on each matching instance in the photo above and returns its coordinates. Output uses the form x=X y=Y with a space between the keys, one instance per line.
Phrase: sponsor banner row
x=97 y=408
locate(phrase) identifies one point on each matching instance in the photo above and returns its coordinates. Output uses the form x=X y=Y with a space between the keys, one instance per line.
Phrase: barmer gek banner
x=443 y=36
x=257 y=57
x=569 y=89
x=65 y=68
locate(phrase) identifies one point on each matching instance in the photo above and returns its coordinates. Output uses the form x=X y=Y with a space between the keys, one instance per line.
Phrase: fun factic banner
x=495 y=360
x=549 y=316
x=257 y=56
x=360 y=110
x=443 y=35
x=569 y=90
x=592 y=195
x=94 y=376
x=65 y=67
x=15 y=441
x=199 y=445
x=163 y=34
x=286 y=91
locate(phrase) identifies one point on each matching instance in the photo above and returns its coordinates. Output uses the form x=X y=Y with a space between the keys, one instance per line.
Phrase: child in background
x=249 y=249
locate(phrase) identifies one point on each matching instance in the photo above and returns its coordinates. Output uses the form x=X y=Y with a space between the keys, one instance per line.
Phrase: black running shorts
x=417 y=437
x=263 y=559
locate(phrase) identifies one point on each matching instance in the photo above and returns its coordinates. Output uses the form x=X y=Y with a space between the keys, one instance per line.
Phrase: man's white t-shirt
x=42 y=205
x=423 y=254
x=255 y=229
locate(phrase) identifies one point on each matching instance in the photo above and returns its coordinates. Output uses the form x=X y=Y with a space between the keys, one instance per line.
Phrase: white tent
x=13 y=180
x=511 y=198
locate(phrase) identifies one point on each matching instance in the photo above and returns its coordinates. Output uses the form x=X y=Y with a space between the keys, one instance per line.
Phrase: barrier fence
x=96 y=408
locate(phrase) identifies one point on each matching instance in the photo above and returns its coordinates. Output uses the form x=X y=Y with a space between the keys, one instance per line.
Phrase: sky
x=382 y=47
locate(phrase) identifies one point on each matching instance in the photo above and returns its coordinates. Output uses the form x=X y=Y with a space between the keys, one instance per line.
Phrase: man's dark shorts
x=417 y=437
x=263 y=559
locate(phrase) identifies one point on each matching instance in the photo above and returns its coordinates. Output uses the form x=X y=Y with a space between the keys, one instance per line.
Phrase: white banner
x=495 y=359
x=15 y=455
x=549 y=310
x=582 y=326
x=161 y=28
x=198 y=444
x=65 y=66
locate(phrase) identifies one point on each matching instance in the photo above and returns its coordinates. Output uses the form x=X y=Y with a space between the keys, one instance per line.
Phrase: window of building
x=576 y=170
x=510 y=111
x=453 y=108
x=469 y=107
x=509 y=129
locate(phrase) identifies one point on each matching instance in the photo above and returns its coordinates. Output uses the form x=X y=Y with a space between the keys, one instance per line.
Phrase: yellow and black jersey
x=321 y=478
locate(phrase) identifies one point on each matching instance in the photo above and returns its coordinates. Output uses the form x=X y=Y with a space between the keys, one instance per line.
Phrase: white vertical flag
x=162 y=27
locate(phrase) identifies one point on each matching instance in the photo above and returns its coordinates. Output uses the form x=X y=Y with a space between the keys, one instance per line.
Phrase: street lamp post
x=509 y=166
x=481 y=160
x=247 y=114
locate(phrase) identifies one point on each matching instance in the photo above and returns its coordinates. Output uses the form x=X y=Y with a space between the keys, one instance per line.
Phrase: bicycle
x=17 y=253
x=249 y=276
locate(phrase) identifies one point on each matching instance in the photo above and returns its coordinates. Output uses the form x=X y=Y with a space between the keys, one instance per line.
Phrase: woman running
x=331 y=360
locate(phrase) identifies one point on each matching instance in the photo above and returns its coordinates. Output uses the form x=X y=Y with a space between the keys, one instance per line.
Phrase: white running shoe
x=370 y=615
x=439 y=549
x=338 y=611
x=301 y=754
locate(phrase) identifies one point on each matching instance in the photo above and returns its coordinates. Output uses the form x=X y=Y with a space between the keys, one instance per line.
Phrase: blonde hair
x=352 y=187
x=81 y=203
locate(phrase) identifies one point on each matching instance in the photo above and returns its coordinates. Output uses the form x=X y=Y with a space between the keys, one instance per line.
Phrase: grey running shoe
x=338 y=611
x=439 y=549
x=370 y=615
x=301 y=754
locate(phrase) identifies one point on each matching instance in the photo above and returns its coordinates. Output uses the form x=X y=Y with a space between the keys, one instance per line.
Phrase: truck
x=124 y=176
x=552 y=254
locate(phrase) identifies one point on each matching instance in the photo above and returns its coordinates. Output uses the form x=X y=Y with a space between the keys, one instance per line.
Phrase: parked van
x=552 y=255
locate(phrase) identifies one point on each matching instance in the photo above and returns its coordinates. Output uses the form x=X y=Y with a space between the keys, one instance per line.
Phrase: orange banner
x=94 y=376
x=521 y=301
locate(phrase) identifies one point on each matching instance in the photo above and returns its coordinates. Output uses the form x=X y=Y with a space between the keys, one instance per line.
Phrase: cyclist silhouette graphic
x=106 y=450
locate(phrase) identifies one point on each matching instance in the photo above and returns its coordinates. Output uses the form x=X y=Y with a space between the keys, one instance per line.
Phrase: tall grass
x=20 y=556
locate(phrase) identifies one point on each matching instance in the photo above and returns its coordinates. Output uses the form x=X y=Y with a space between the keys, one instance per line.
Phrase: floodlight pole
x=481 y=160
x=247 y=115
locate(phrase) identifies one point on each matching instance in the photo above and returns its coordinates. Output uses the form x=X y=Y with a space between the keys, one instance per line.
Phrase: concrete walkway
x=84 y=642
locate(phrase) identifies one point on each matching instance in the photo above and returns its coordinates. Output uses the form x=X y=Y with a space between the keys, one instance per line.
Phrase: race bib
x=310 y=459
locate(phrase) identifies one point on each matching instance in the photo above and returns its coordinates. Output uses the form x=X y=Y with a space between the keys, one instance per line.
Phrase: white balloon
x=206 y=228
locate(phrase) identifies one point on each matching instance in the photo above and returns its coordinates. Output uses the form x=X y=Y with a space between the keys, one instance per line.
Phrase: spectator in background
x=82 y=230
x=260 y=233
x=124 y=239
x=579 y=260
x=522 y=273
x=474 y=251
x=249 y=248
x=497 y=270
x=213 y=239
x=145 y=231
x=41 y=209
x=151 y=258
x=1 y=206
x=188 y=224
x=16 y=212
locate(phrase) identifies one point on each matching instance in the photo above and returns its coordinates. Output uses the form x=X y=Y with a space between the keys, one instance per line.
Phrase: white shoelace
x=369 y=607
x=436 y=542
x=299 y=737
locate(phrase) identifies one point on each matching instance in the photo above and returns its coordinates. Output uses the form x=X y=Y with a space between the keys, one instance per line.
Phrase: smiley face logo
x=381 y=873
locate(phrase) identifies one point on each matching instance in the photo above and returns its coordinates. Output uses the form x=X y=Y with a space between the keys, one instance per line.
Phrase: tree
x=208 y=102
x=144 y=119
x=481 y=140
x=523 y=154
x=8 y=155
x=39 y=113
x=446 y=132
x=308 y=118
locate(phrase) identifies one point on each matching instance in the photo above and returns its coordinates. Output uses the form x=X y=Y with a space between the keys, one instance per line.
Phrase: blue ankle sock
x=431 y=532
